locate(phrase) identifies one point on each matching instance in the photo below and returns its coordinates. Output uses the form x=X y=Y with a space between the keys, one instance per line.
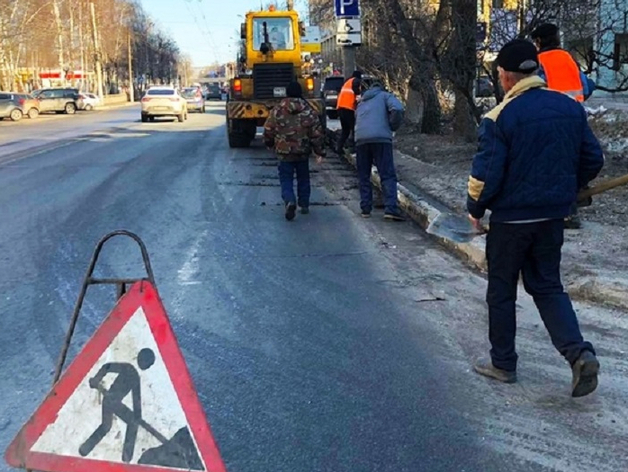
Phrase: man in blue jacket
x=378 y=114
x=535 y=151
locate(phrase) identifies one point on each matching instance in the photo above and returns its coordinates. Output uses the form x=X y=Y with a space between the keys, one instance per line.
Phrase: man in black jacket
x=535 y=151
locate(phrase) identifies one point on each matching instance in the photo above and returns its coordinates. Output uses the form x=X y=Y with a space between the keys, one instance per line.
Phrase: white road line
x=186 y=275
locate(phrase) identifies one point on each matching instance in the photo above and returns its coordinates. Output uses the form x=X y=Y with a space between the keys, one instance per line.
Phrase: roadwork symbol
x=126 y=402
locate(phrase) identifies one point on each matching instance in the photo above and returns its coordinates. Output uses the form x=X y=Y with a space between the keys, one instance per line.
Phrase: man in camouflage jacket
x=293 y=129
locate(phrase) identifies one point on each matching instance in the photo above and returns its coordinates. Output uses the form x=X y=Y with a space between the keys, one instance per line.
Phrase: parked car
x=15 y=105
x=90 y=101
x=163 y=101
x=213 y=91
x=194 y=98
x=330 y=90
x=59 y=100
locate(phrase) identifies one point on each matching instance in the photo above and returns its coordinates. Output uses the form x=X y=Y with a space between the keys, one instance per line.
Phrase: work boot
x=394 y=216
x=291 y=209
x=485 y=367
x=573 y=222
x=585 y=371
x=305 y=210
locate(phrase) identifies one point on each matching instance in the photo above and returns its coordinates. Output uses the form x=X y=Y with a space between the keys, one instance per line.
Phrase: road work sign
x=126 y=403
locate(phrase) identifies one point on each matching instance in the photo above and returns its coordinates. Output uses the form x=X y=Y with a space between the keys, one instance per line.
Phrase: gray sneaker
x=484 y=366
x=584 y=371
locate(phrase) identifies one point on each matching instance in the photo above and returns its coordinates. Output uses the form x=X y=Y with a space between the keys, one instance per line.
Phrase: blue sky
x=206 y=30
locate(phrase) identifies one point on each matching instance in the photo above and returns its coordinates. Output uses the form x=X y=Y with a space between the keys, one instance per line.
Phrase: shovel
x=458 y=228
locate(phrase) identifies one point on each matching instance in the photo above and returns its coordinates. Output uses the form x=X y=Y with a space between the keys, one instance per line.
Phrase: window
x=160 y=92
x=279 y=32
x=620 y=54
x=4 y=96
x=498 y=3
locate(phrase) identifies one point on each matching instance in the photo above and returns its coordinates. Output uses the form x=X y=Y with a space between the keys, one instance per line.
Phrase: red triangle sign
x=126 y=403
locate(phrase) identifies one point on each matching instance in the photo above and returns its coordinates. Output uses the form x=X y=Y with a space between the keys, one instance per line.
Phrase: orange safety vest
x=562 y=73
x=346 y=98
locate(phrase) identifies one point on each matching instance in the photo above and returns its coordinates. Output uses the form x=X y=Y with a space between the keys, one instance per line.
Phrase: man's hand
x=319 y=159
x=477 y=224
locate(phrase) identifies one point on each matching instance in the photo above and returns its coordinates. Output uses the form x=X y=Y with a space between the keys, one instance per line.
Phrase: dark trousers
x=347 y=123
x=382 y=155
x=287 y=169
x=534 y=251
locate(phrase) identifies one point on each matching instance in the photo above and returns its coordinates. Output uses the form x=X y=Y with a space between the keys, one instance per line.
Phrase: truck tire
x=237 y=134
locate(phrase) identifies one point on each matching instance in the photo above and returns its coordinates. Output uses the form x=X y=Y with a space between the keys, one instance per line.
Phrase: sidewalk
x=433 y=172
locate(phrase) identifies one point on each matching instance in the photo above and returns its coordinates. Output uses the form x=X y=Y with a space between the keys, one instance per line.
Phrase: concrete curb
x=121 y=105
x=598 y=290
x=420 y=210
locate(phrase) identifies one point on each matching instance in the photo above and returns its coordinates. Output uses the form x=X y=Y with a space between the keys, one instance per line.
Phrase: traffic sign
x=126 y=403
x=347 y=8
x=348 y=32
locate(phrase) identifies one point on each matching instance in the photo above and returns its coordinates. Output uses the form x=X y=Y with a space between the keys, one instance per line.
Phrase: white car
x=163 y=101
x=90 y=101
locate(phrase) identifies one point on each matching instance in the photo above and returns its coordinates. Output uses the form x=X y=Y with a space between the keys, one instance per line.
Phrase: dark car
x=59 y=100
x=16 y=105
x=214 y=91
x=330 y=91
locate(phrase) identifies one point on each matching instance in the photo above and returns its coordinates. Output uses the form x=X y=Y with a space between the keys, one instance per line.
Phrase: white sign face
x=348 y=39
x=349 y=25
x=126 y=409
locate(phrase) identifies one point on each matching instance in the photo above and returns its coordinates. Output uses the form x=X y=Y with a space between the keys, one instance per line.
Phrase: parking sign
x=347 y=8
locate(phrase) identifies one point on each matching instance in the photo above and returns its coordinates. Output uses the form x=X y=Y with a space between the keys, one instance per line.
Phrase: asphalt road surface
x=330 y=343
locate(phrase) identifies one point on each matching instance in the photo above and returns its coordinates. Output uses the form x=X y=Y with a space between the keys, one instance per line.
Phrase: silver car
x=194 y=98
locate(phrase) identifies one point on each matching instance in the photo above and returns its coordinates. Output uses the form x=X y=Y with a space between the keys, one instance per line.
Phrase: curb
x=421 y=211
x=598 y=290
x=121 y=105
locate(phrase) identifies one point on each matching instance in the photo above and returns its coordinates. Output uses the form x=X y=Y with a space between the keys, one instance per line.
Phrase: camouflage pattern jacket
x=294 y=130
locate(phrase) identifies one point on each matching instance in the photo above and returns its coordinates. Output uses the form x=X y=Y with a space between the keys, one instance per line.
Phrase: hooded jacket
x=378 y=114
x=535 y=151
x=294 y=130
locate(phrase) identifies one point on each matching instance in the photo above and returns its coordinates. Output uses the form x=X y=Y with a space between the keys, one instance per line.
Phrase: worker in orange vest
x=562 y=73
x=346 y=104
x=558 y=68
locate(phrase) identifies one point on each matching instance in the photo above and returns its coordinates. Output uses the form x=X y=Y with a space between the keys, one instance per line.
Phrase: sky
x=206 y=30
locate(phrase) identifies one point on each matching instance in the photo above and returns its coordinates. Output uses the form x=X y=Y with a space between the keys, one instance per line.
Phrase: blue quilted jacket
x=535 y=151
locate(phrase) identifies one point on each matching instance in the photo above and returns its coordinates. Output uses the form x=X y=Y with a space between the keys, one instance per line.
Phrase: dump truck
x=270 y=58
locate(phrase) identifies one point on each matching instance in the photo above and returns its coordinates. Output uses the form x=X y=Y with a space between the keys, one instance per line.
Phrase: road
x=331 y=343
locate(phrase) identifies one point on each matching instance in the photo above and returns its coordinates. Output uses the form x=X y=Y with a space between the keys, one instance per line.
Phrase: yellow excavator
x=270 y=58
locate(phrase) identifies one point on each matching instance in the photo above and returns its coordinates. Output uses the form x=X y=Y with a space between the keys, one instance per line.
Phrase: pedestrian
x=293 y=129
x=535 y=151
x=378 y=115
x=562 y=73
x=345 y=105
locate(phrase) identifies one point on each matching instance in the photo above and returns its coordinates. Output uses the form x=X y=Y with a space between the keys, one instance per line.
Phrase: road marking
x=186 y=275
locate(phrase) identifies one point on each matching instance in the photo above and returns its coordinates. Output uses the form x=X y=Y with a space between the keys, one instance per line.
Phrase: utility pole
x=131 y=81
x=348 y=60
x=97 y=59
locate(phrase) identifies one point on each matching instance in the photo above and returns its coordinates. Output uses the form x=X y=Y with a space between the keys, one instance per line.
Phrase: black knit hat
x=294 y=90
x=518 y=55
x=546 y=30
